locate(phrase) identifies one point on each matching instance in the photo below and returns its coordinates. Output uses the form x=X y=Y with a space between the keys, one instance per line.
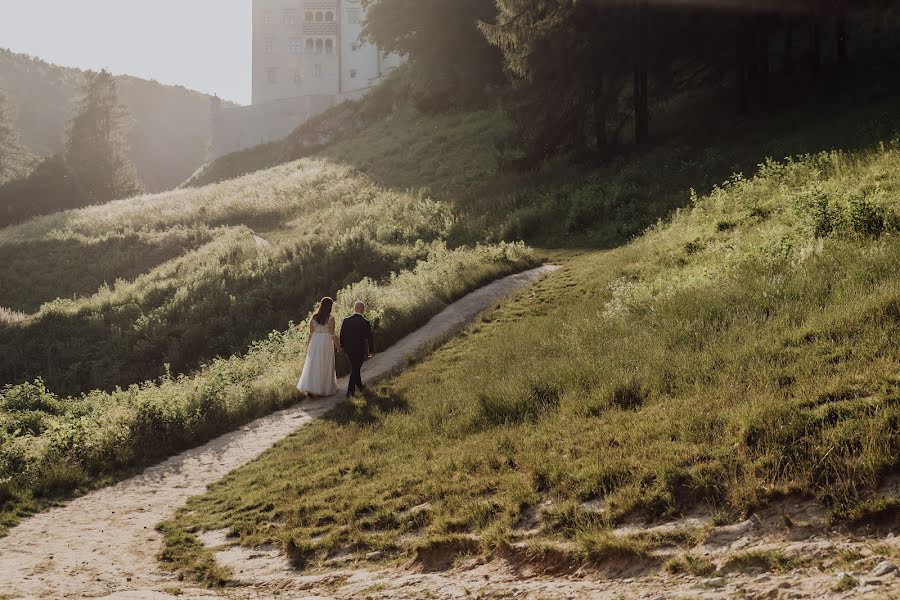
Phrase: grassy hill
x=743 y=350
x=154 y=318
x=171 y=124
x=184 y=289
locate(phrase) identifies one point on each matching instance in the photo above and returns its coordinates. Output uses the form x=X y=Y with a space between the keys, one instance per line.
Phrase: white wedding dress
x=318 y=377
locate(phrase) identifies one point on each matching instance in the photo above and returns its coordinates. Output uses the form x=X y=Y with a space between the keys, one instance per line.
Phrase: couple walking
x=356 y=341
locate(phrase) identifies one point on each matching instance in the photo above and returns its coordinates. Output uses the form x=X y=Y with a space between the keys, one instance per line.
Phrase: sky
x=204 y=45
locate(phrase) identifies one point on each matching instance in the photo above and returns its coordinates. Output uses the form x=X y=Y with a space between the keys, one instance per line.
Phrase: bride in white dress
x=318 y=377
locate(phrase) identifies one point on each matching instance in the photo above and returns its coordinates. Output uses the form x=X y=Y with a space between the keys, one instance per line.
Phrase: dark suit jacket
x=356 y=332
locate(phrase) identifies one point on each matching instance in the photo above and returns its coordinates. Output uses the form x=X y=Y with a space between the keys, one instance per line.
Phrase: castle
x=307 y=57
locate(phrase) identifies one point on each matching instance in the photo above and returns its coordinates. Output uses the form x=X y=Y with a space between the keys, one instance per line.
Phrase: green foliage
x=769 y=560
x=762 y=360
x=49 y=188
x=212 y=287
x=690 y=564
x=96 y=143
x=15 y=160
x=194 y=560
x=51 y=447
x=582 y=70
x=452 y=64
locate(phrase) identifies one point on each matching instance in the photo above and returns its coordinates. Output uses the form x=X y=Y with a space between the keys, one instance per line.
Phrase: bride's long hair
x=324 y=310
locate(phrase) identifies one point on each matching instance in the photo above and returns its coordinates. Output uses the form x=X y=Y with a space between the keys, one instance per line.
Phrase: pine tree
x=96 y=144
x=452 y=62
x=15 y=160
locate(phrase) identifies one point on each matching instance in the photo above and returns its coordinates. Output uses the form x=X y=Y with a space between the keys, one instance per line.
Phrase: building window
x=308 y=16
x=290 y=16
x=353 y=16
x=295 y=46
x=273 y=75
x=267 y=17
x=329 y=46
x=270 y=46
x=298 y=77
x=352 y=73
x=317 y=70
x=310 y=45
x=320 y=46
x=319 y=17
x=329 y=17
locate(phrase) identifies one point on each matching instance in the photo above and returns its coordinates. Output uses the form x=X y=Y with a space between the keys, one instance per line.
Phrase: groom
x=358 y=343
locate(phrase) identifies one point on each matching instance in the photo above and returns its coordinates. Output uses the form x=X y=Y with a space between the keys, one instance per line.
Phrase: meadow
x=152 y=318
x=181 y=278
x=53 y=447
x=744 y=350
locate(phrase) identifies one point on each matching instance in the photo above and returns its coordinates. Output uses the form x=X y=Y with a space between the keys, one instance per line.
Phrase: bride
x=318 y=377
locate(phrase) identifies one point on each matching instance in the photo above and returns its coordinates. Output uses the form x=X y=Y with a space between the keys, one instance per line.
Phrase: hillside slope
x=171 y=124
x=743 y=352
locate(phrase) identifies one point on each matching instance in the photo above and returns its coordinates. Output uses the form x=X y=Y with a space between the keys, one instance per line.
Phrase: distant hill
x=171 y=123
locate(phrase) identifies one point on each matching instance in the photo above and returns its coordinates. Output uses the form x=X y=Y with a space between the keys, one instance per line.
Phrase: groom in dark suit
x=358 y=343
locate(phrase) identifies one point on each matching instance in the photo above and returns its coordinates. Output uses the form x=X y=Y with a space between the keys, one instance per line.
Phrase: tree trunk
x=762 y=55
x=815 y=35
x=602 y=138
x=641 y=74
x=841 y=33
x=743 y=67
x=788 y=46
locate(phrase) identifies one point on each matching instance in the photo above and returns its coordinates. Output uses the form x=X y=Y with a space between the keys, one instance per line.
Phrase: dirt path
x=104 y=544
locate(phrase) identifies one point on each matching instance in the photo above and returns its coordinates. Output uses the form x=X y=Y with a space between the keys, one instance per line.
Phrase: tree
x=453 y=65
x=15 y=160
x=582 y=70
x=96 y=148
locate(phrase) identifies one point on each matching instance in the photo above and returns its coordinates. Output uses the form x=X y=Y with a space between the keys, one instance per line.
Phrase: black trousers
x=356 y=363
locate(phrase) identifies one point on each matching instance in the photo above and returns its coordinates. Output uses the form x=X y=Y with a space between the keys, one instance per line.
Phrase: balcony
x=319 y=28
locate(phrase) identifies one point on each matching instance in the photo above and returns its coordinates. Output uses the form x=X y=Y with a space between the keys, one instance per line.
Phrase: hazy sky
x=200 y=44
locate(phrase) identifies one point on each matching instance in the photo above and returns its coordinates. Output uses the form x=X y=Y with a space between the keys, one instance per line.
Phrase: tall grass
x=741 y=351
x=329 y=226
x=51 y=446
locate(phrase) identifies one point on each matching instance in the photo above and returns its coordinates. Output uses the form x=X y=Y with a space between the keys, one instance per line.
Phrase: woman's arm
x=334 y=338
x=310 y=334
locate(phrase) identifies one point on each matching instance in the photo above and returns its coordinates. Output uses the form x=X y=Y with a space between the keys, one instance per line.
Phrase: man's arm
x=343 y=336
x=370 y=338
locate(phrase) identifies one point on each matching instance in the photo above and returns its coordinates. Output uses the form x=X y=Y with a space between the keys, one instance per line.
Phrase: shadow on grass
x=368 y=409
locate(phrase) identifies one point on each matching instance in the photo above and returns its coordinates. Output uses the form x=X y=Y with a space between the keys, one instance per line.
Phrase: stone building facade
x=307 y=57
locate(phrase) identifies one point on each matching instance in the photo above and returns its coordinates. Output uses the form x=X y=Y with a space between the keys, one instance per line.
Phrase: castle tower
x=295 y=49
x=307 y=57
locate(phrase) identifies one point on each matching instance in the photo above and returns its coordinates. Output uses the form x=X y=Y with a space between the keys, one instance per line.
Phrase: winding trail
x=103 y=545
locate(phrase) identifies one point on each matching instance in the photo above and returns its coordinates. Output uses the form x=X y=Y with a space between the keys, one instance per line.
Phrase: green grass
x=744 y=349
x=768 y=560
x=53 y=447
x=690 y=564
x=216 y=288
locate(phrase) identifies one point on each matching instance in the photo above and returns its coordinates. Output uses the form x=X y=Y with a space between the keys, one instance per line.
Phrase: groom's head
x=359 y=307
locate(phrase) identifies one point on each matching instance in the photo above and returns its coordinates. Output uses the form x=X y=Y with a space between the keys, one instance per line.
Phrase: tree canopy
x=586 y=77
x=96 y=143
x=15 y=160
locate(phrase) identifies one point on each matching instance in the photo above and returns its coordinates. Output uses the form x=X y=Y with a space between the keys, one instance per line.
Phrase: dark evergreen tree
x=452 y=63
x=96 y=144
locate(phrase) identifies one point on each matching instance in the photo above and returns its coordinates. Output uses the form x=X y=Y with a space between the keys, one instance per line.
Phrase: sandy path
x=104 y=544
